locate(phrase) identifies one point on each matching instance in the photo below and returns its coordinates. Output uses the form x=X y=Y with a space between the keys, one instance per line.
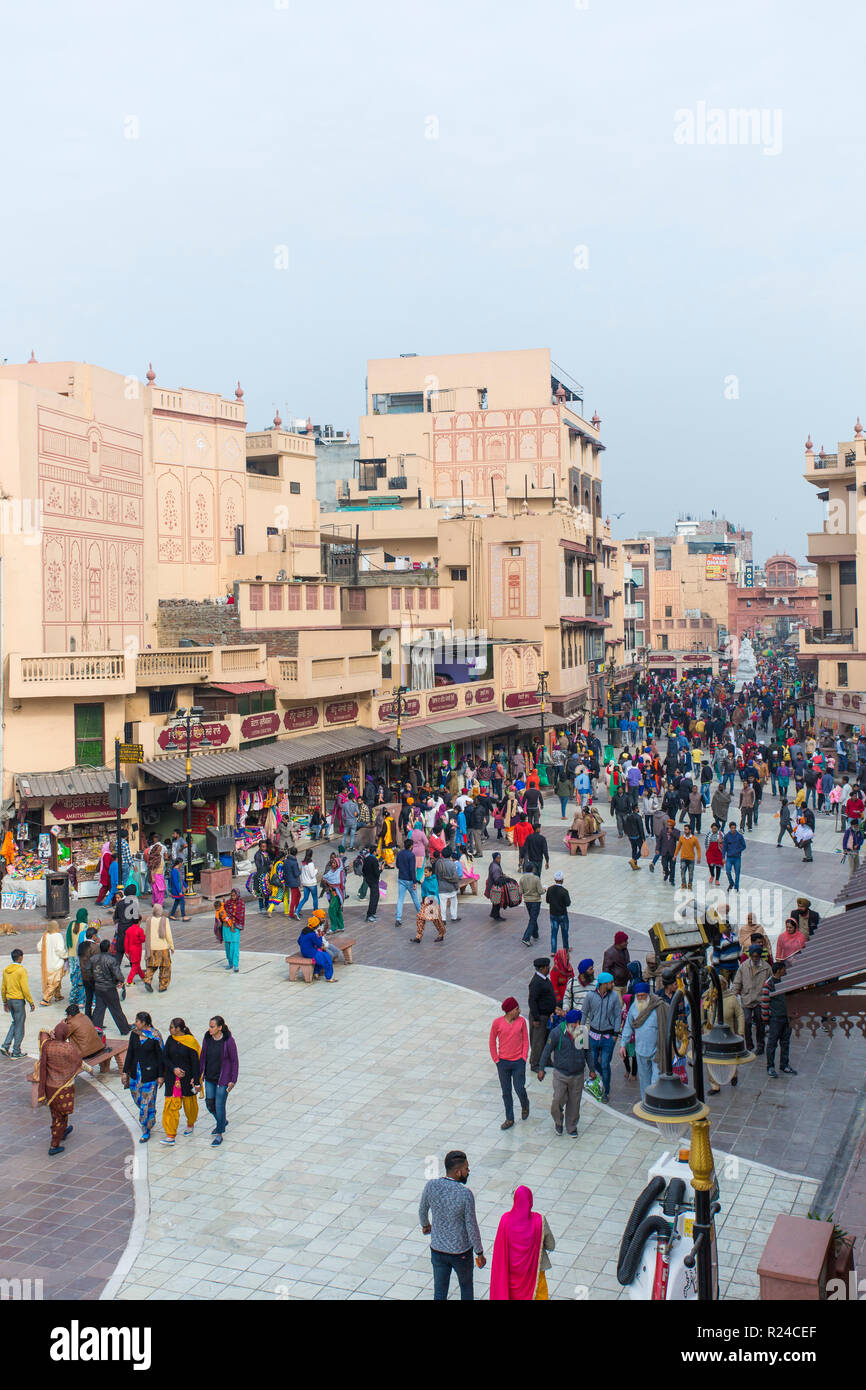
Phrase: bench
x=114 y=1050
x=299 y=964
x=471 y=884
x=580 y=846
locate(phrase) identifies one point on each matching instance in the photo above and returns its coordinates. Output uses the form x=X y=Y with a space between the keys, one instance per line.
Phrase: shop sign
x=260 y=725
x=411 y=709
x=341 y=712
x=843 y=699
x=173 y=737
x=81 y=808
x=521 y=699
x=716 y=567
x=445 y=701
x=305 y=717
x=481 y=695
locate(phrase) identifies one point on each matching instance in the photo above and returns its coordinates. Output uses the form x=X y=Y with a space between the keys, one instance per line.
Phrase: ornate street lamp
x=190 y=720
x=542 y=693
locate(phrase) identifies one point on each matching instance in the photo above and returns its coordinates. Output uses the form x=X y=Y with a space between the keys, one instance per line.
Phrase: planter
x=192 y=903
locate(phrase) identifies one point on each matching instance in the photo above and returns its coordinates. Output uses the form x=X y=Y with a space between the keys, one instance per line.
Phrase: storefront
x=840 y=711
x=77 y=804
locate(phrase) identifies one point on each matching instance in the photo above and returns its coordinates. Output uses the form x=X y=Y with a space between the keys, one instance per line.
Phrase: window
x=638 y=608
x=257 y=702
x=587 y=583
x=663 y=640
x=328 y=593
x=161 y=701
x=409 y=597
x=669 y=611
x=458 y=575
x=607 y=608
x=569 y=576
x=637 y=577
x=239 y=540
x=847 y=571
x=396 y=596
x=398 y=403
x=515 y=550
x=841 y=673
x=357 y=600
x=386 y=663
x=257 y=597
x=294 y=488
x=275 y=597
x=434 y=598
x=89 y=732
x=312 y=600
x=293 y=593
x=422 y=598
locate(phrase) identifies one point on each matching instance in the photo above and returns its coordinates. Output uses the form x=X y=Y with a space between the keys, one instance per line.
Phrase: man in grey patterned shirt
x=453 y=1228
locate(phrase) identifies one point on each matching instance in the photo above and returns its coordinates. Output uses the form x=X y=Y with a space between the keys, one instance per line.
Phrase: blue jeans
x=347 y=839
x=442 y=1267
x=732 y=869
x=728 y=778
x=215 y=1100
x=404 y=887
x=177 y=905
x=773 y=782
x=532 y=911
x=15 y=1036
x=705 y=793
x=563 y=801
x=811 y=791
x=600 y=1053
x=557 y=924
x=309 y=893
x=647 y=1073
x=512 y=1072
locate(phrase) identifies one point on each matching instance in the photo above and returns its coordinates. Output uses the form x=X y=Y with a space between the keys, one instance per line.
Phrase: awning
x=75 y=781
x=242 y=687
x=441 y=731
x=836 y=953
x=854 y=890
x=290 y=752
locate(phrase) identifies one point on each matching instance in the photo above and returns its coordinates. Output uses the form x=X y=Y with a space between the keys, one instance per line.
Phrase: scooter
x=656 y=1257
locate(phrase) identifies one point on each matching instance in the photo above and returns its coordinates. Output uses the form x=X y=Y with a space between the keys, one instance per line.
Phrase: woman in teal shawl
x=73 y=931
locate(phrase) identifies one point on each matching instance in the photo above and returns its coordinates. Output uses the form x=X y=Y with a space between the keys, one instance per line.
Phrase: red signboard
x=411 y=709
x=81 y=808
x=173 y=738
x=260 y=725
x=521 y=699
x=483 y=694
x=305 y=717
x=341 y=712
x=446 y=701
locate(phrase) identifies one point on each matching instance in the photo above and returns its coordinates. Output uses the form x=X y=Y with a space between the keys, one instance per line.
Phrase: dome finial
x=239 y=392
x=596 y=420
x=810 y=447
x=858 y=429
x=278 y=424
x=151 y=374
x=32 y=357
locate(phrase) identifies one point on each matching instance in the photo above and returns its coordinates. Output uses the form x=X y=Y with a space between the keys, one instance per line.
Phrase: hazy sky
x=306 y=126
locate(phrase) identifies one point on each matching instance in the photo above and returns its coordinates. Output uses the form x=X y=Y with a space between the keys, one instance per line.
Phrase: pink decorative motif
x=821 y=453
x=809 y=445
x=151 y=374
x=278 y=423
x=239 y=392
x=858 y=429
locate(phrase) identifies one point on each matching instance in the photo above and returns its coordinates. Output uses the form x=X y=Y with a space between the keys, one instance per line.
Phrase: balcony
x=819 y=637
x=199 y=665
x=838 y=466
x=92 y=674
x=832 y=545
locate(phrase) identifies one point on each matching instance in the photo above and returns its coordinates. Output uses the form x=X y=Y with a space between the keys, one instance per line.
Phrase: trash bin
x=57 y=895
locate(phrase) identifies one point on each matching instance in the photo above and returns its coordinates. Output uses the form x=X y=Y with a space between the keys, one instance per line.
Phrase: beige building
x=835 y=649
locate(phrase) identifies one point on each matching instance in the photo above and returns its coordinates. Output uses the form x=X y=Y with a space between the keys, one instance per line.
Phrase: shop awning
x=242 y=687
x=441 y=731
x=835 y=954
x=290 y=752
x=854 y=891
x=75 y=781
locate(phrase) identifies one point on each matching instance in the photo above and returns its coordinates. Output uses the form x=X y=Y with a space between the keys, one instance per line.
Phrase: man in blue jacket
x=734 y=844
x=407 y=871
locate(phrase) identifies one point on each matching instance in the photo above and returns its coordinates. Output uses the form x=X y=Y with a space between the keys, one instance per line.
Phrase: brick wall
x=216 y=625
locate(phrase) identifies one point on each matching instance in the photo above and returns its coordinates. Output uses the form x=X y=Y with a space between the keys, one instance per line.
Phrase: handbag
x=513 y=894
x=493 y=894
x=644 y=850
x=594 y=1087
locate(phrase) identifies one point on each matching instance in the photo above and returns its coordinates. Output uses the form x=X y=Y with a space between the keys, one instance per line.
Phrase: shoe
x=215 y=1143
x=759 y=1051
x=7 y=1053
x=605 y=1100
x=68 y=1130
x=123 y=994
x=415 y=940
x=652 y=868
x=572 y=1134
x=228 y=967
x=509 y=1124
x=398 y=924
x=166 y=1141
x=788 y=1071
x=524 y=1112
x=771 y=1071
x=237 y=968
x=148 y=986
x=144 y=1138
x=715 y=1090
x=57 y=1150
x=558 y=1128
x=371 y=919
x=526 y=943
x=189 y=1131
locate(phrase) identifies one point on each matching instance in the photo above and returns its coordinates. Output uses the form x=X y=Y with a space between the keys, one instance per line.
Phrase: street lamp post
x=673 y=1102
x=542 y=693
x=399 y=702
x=189 y=719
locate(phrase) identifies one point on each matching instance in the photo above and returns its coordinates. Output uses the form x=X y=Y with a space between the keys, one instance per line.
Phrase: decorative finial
x=151 y=374
x=560 y=392
x=278 y=424
x=309 y=425
x=858 y=429
x=595 y=421
x=809 y=445
x=239 y=392
x=821 y=453
x=32 y=357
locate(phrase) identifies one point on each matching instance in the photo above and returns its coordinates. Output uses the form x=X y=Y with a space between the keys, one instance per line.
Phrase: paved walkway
x=348 y=1095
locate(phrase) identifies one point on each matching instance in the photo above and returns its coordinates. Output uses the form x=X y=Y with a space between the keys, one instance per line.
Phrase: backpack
x=358 y=865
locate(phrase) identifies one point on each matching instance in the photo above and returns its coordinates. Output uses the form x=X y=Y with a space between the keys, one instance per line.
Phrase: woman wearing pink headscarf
x=520 y=1255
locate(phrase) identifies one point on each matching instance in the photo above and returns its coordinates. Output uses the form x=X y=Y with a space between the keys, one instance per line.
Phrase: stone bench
x=299 y=964
x=580 y=846
x=114 y=1050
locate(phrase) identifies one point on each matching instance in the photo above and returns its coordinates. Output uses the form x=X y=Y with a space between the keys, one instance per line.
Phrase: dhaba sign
x=173 y=737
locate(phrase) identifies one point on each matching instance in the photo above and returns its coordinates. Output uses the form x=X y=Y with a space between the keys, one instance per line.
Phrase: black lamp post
x=189 y=719
x=676 y=1103
x=542 y=693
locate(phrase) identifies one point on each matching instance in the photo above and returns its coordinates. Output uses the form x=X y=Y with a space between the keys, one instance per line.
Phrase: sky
x=274 y=191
